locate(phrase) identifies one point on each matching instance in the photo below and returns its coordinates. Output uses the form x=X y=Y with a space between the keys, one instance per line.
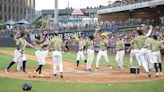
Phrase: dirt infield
x=104 y=75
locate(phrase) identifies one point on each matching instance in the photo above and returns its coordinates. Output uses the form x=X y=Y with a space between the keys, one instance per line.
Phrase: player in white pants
x=56 y=45
x=148 y=54
x=80 y=52
x=41 y=60
x=140 y=46
x=80 y=56
x=21 y=45
x=45 y=44
x=39 y=53
x=120 y=47
x=103 y=51
x=133 y=53
x=90 y=52
x=17 y=59
x=156 y=46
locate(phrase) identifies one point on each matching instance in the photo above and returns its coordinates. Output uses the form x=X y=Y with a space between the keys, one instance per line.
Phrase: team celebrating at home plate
x=144 y=47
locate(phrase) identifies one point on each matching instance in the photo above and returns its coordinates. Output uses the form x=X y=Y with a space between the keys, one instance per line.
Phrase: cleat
x=89 y=70
x=55 y=76
x=25 y=72
x=157 y=75
x=149 y=75
x=61 y=76
x=7 y=70
x=97 y=69
x=110 y=67
x=41 y=75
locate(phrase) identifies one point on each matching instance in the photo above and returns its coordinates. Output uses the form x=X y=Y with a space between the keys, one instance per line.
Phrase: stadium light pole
x=56 y=14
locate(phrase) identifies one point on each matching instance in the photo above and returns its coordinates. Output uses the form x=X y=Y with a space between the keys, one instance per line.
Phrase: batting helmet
x=27 y=87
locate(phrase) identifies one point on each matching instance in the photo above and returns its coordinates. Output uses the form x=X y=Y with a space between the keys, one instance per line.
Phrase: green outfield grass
x=15 y=85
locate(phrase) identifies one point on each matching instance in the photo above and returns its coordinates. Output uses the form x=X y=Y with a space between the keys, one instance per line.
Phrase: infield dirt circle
x=71 y=74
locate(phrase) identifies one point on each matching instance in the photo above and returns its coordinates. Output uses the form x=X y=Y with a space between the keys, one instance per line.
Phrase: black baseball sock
x=40 y=70
x=85 y=61
x=160 y=67
x=24 y=66
x=78 y=63
x=156 y=67
x=61 y=74
x=11 y=64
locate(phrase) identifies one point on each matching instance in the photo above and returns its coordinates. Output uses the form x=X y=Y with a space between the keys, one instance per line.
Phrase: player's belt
x=80 y=50
x=154 y=51
x=103 y=50
x=21 y=50
x=55 y=50
x=120 y=49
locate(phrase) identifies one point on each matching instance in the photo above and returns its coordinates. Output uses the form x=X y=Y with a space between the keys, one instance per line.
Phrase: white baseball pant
x=90 y=58
x=156 y=57
x=40 y=57
x=80 y=56
x=57 y=60
x=45 y=53
x=149 y=58
x=144 y=63
x=133 y=53
x=120 y=57
x=102 y=53
x=19 y=57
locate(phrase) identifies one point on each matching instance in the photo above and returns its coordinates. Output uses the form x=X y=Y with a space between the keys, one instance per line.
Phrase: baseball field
x=76 y=80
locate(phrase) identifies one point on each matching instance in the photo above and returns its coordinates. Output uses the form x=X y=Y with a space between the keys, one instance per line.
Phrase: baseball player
x=156 y=46
x=40 y=54
x=133 y=53
x=103 y=51
x=21 y=45
x=56 y=45
x=85 y=45
x=45 y=43
x=90 y=52
x=66 y=43
x=140 y=50
x=80 y=52
x=148 y=54
x=120 y=47
x=16 y=36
